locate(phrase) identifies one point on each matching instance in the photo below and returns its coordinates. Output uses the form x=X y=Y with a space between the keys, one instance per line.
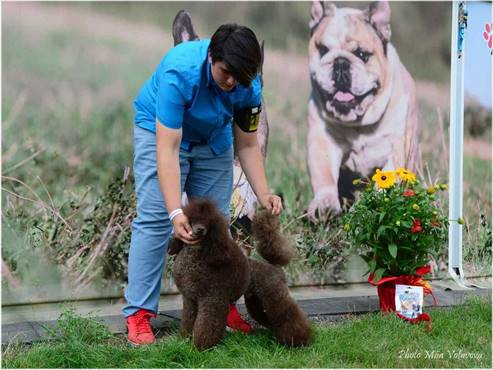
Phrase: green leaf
x=372 y=265
x=378 y=275
x=393 y=250
x=382 y=215
x=406 y=224
x=381 y=230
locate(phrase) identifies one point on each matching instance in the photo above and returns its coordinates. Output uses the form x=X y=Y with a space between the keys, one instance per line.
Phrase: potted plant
x=396 y=225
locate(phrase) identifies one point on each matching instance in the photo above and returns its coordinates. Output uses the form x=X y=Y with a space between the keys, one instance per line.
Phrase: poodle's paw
x=204 y=343
x=296 y=331
x=295 y=338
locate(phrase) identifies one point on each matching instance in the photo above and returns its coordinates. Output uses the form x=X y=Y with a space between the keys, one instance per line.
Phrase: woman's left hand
x=272 y=202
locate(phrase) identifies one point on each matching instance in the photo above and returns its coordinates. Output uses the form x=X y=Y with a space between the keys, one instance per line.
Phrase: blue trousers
x=203 y=175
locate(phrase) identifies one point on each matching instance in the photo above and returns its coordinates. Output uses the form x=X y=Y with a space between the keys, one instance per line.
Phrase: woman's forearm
x=252 y=163
x=168 y=169
x=168 y=164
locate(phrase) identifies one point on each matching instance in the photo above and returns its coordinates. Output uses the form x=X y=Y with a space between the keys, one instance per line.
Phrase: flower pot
x=386 y=293
x=386 y=287
x=386 y=296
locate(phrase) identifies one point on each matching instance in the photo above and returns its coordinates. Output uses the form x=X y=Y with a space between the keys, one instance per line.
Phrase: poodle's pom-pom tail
x=270 y=244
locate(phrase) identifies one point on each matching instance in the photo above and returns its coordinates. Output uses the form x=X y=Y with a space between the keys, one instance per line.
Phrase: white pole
x=459 y=23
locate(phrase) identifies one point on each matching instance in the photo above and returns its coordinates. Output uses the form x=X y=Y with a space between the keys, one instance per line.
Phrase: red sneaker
x=236 y=322
x=139 y=328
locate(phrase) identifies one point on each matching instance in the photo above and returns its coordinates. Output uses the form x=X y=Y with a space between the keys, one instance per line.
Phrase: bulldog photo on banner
x=362 y=108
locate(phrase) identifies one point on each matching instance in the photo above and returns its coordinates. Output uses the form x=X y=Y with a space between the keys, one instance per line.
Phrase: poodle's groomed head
x=204 y=218
x=209 y=226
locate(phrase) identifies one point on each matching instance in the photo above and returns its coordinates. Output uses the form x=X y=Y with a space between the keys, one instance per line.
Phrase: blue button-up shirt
x=182 y=94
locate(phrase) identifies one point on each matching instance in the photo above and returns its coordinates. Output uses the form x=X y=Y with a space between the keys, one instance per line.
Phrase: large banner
x=348 y=87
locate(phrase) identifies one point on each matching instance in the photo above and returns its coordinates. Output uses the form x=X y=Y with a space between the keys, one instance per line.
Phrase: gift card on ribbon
x=409 y=300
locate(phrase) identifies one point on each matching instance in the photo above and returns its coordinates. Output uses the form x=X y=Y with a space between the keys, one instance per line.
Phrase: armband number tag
x=248 y=119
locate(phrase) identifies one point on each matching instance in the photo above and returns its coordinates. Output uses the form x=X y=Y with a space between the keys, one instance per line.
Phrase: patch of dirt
x=478 y=148
x=434 y=94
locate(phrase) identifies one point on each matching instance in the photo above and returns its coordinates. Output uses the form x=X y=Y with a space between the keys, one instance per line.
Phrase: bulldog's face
x=350 y=72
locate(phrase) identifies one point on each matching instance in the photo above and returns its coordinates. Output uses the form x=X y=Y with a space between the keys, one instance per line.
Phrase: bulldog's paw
x=325 y=201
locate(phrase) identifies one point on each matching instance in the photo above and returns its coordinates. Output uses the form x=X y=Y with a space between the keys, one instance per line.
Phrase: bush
x=396 y=224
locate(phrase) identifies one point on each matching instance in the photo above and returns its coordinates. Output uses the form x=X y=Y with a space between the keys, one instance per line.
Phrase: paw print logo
x=488 y=34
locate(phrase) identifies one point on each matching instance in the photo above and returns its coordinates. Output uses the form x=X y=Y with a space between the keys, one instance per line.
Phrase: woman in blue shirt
x=201 y=95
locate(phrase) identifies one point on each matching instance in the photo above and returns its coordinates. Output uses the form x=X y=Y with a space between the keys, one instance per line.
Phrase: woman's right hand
x=183 y=230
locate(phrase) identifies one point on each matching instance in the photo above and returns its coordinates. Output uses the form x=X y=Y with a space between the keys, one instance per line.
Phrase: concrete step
x=328 y=304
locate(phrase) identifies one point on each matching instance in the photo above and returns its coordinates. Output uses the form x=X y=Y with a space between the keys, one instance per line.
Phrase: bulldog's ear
x=378 y=14
x=183 y=28
x=320 y=9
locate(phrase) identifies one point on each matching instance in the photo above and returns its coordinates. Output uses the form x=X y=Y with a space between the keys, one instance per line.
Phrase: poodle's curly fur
x=215 y=272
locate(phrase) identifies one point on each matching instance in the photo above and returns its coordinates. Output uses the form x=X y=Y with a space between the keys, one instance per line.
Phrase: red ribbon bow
x=414 y=280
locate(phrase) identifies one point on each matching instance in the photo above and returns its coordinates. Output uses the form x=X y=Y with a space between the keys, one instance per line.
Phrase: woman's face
x=222 y=76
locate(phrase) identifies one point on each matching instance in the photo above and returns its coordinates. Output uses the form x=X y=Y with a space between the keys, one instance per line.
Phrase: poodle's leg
x=256 y=309
x=188 y=316
x=210 y=324
x=289 y=323
x=285 y=318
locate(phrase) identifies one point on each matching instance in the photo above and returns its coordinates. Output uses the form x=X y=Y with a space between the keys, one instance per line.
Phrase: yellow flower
x=415 y=206
x=384 y=180
x=431 y=190
x=406 y=175
x=346 y=227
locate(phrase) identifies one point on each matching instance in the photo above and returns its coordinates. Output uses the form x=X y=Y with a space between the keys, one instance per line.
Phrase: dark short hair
x=238 y=48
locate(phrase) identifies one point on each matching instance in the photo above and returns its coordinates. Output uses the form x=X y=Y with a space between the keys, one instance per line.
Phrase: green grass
x=460 y=338
x=477 y=204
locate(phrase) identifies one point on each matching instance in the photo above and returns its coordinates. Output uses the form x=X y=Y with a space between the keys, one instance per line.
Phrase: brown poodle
x=215 y=272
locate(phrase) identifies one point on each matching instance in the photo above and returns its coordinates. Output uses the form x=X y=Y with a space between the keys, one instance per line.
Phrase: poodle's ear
x=175 y=246
x=216 y=245
x=218 y=257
